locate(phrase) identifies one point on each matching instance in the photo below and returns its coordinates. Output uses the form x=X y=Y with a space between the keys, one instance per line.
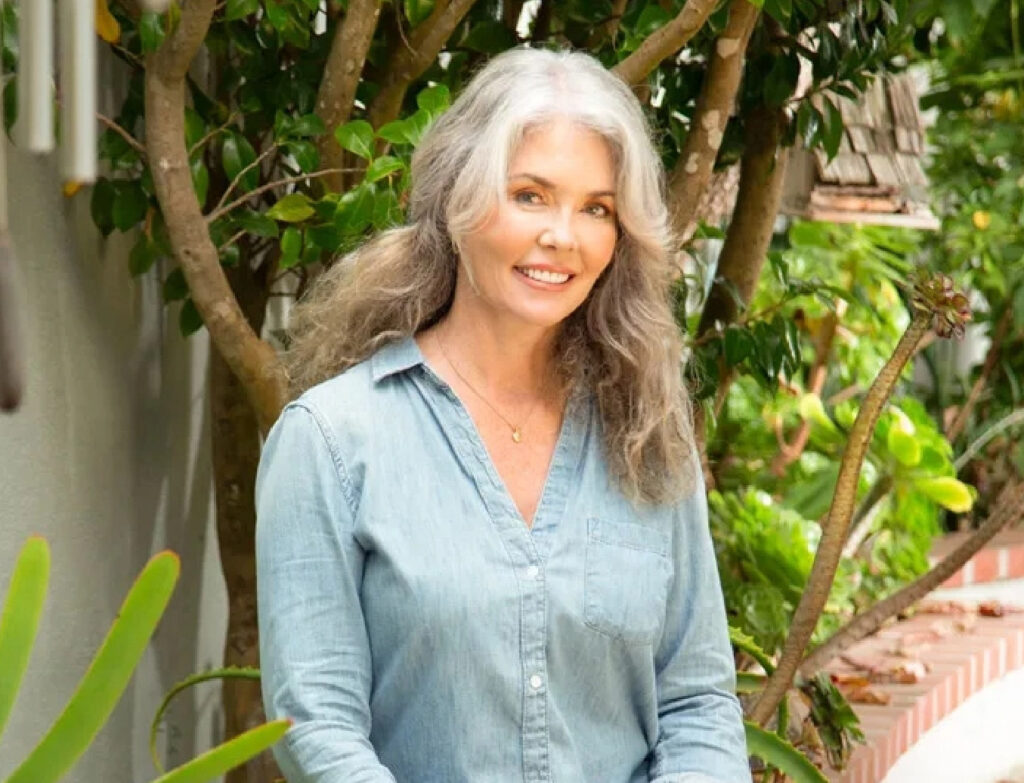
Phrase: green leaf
x=745 y=642
x=189 y=320
x=129 y=204
x=832 y=128
x=774 y=750
x=434 y=99
x=151 y=31
x=101 y=205
x=175 y=287
x=355 y=210
x=386 y=210
x=489 y=37
x=142 y=256
x=195 y=127
x=19 y=622
x=291 y=247
x=416 y=125
x=200 y=179
x=307 y=125
x=256 y=223
x=293 y=208
x=236 y=154
x=224 y=673
x=383 y=166
x=749 y=682
x=780 y=82
x=394 y=132
x=948 y=492
x=417 y=11
x=738 y=345
x=107 y=677
x=780 y=10
x=903 y=446
x=356 y=137
x=277 y=15
x=237 y=9
x=1018 y=306
x=307 y=158
x=228 y=755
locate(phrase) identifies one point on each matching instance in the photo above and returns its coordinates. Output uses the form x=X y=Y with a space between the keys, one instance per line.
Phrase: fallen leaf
x=991 y=609
x=868 y=694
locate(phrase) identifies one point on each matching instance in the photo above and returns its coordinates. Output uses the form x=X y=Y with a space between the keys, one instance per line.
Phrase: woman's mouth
x=543 y=275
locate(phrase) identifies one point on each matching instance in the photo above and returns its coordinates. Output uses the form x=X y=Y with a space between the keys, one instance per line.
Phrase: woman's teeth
x=543 y=276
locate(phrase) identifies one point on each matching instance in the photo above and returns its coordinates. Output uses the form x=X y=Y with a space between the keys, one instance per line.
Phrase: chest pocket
x=626 y=580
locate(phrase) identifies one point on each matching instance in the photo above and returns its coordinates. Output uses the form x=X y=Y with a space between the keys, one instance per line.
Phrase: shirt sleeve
x=701 y=738
x=314 y=649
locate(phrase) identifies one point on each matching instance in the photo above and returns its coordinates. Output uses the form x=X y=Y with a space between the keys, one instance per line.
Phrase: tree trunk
x=236 y=453
x=762 y=171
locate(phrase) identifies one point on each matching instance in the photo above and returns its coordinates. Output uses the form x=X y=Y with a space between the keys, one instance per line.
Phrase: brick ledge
x=960 y=664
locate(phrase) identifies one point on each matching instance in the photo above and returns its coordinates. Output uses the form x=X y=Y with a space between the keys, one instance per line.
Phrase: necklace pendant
x=517 y=435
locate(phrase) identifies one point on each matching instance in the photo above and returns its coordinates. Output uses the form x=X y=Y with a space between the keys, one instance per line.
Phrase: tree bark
x=342 y=72
x=666 y=40
x=410 y=61
x=1009 y=509
x=762 y=171
x=715 y=104
x=251 y=359
x=236 y=452
x=833 y=534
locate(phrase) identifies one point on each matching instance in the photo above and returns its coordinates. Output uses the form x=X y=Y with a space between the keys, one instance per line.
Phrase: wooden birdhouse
x=877 y=176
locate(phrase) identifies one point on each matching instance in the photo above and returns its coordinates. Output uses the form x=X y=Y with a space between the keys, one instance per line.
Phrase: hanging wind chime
x=34 y=132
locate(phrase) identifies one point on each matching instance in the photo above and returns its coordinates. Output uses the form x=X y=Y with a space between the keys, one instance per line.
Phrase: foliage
x=107 y=676
x=974 y=59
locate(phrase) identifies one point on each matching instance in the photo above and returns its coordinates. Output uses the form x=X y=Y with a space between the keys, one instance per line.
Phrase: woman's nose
x=559 y=233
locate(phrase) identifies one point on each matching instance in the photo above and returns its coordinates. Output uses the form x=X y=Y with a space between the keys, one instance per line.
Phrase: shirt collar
x=395 y=357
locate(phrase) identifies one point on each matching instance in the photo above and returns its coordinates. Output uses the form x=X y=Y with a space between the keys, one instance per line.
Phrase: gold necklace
x=517 y=430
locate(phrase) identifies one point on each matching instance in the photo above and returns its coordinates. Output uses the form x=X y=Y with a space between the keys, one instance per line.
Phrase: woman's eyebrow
x=542 y=181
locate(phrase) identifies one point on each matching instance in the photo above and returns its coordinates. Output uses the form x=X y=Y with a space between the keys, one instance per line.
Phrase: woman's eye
x=599 y=210
x=527 y=197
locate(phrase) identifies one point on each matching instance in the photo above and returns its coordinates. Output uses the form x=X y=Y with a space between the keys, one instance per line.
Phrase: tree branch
x=790 y=452
x=991 y=359
x=715 y=105
x=344 y=67
x=221 y=211
x=607 y=30
x=253 y=361
x=245 y=170
x=408 y=63
x=762 y=171
x=1009 y=508
x=123 y=133
x=666 y=40
x=833 y=534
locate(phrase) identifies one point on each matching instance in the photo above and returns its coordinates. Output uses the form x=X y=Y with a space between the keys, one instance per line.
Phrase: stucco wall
x=108 y=458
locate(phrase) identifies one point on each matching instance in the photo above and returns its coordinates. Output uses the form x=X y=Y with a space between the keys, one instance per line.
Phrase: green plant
x=107 y=676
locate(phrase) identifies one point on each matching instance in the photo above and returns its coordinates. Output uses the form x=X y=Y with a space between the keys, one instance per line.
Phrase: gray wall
x=109 y=459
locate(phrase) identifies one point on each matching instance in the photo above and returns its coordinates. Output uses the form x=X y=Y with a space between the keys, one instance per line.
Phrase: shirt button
x=533 y=572
x=536 y=682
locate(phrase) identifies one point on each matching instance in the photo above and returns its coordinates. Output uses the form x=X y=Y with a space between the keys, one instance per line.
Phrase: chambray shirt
x=416 y=630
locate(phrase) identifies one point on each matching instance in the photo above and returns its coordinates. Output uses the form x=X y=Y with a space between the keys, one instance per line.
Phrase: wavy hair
x=622 y=342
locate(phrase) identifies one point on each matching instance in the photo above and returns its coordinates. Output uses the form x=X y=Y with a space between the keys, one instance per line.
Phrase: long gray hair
x=622 y=342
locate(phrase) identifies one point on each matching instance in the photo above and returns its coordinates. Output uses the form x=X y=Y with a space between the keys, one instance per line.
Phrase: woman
x=482 y=541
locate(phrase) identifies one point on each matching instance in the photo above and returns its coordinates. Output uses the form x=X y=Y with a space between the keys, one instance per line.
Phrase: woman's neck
x=504 y=361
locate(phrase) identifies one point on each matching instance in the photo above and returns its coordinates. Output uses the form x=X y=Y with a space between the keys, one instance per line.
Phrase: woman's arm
x=314 y=651
x=700 y=727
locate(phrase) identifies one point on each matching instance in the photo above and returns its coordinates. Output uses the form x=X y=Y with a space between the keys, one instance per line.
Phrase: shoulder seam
x=334 y=451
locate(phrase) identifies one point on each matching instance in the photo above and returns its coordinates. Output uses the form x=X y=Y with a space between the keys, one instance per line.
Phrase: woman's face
x=541 y=249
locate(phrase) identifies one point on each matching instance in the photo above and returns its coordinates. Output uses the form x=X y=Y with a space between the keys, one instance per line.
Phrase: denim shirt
x=416 y=630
